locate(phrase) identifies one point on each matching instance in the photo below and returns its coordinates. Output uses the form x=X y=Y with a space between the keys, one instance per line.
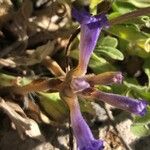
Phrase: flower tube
x=90 y=30
x=82 y=132
x=135 y=106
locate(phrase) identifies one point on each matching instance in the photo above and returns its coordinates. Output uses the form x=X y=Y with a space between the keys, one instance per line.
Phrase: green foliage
x=107 y=47
x=110 y=52
x=57 y=109
x=10 y=80
x=140 y=130
x=99 y=64
x=136 y=40
x=53 y=105
x=94 y=3
x=6 y=80
x=139 y=3
x=141 y=124
x=122 y=7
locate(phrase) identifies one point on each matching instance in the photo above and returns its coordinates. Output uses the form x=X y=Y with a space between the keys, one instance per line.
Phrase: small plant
x=110 y=63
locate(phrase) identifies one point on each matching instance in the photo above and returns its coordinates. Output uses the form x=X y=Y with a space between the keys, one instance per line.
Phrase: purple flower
x=82 y=132
x=91 y=27
x=135 y=106
x=90 y=30
x=79 y=84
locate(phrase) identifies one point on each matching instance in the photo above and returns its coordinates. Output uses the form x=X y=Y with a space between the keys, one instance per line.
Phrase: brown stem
x=52 y=84
x=129 y=16
x=104 y=78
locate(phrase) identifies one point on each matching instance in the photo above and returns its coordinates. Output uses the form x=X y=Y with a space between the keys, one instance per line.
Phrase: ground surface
x=58 y=138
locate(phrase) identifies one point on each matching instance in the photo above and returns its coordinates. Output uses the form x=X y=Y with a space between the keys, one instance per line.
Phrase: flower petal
x=135 y=106
x=87 y=44
x=81 y=16
x=79 y=84
x=90 y=30
x=82 y=132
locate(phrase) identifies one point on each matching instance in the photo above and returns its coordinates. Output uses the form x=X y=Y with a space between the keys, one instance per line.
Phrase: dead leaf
x=17 y=116
x=53 y=67
x=7 y=63
x=32 y=110
x=34 y=131
x=37 y=56
x=16 y=29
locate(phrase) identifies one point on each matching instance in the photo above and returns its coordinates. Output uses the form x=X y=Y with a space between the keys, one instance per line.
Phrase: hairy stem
x=130 y=15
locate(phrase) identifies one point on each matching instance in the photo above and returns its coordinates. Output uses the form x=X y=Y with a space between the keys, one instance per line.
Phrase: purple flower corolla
x=90 y=31
x=135 y=106
x=79 y=84
x=82 y=132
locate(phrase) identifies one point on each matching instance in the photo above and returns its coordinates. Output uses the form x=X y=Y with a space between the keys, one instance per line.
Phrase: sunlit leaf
x=129 y=33
x=99 y=64
x=107 y=47
x=140 y=130
x=108 y=41
x=10 y=80
x=139 y=3
x=53 y=105
x=122 y=7
x=109 y=52
x=94 y=3
x=137 y=41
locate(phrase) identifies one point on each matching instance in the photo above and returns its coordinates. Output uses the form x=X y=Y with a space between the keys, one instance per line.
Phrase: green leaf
x=122 y=7
x=129 y=33
x=87 y=107
x=133 y=84
x=108 y=41
x=107 y=47
x=94 y=3
x=113 y=15
x=99 y=64
x=57 y=109
x=140 y=130
x=141 y=91
x=53 y=105
x=109 y=52
x=140 y=3
x=137 y=41
x=9 y=80
x=119 y=89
